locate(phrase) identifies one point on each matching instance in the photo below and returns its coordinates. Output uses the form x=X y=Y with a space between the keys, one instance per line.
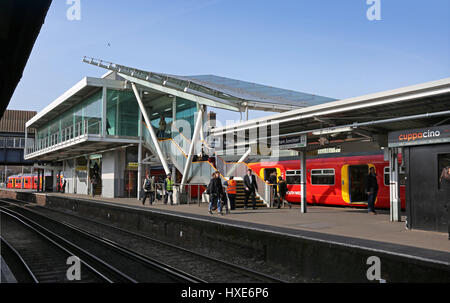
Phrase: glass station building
x=101 y=126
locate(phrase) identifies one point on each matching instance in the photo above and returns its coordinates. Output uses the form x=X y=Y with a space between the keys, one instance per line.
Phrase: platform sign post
x=395 y=207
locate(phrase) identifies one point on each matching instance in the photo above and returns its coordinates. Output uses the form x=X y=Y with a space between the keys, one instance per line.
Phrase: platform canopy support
x=394 y=186
x=242 y=159
x=150 y=129
x=195 y=138
x=303 y=182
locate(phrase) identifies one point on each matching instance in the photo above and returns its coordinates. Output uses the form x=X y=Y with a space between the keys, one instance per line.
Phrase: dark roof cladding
x=13 y=121
x=20 y=24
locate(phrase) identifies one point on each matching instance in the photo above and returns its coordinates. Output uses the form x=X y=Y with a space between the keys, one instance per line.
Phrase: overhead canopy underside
x=365 y=118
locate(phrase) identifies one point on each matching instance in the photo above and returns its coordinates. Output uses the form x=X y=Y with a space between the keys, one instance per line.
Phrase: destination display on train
x=420 y=136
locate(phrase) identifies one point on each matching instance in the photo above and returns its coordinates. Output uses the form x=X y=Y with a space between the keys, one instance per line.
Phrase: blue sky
x=325 y=47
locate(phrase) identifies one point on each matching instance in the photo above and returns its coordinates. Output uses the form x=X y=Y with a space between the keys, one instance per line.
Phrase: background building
x=12 y=143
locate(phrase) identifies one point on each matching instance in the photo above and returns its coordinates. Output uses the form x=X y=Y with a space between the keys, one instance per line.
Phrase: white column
x=191 y=147
x=303 y=181
x=25 y=152
x=394 y=187
x=150 y=129
x=139 y=177
x=74 y=176
x=104 y=98
x=242 y=159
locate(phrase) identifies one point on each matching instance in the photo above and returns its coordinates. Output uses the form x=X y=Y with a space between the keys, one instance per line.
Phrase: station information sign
x=293 y=142
x=420 y=136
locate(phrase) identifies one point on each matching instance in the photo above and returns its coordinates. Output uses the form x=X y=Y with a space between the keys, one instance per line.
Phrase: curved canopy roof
x=223 y=92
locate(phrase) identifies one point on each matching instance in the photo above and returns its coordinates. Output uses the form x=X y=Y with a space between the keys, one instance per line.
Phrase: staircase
x=200 y=172
x=240 y=196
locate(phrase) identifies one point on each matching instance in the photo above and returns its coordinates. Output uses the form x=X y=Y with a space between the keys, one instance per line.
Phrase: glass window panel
x=293 y=180
x=10 y=142
x=93 y=113
x=186 y=111
x=386 y=176
x=122 y=114
x=322 y=177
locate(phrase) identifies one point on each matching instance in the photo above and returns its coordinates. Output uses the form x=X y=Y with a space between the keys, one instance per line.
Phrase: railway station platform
x=334 y=221
x=278 y=236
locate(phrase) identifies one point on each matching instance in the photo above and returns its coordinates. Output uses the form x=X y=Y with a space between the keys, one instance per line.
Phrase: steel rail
x=242 y=269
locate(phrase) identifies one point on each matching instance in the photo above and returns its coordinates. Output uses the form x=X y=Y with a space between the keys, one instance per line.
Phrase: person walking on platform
x=149 y=189
x=168 y=186
x=94 y=182
x=231 y=186
x=445 y=185
x=371 y=190
x=282 y=189
x=215 y=191
x=250 y=188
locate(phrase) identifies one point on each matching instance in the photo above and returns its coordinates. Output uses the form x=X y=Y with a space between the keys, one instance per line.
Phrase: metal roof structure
x=13 y=121
x=216 y=91
x=365 y=118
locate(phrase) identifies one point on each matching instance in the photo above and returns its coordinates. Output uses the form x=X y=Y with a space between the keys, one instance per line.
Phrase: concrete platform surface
x=328 y=223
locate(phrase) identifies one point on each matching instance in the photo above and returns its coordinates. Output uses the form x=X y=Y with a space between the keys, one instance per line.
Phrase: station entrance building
x=130 y=123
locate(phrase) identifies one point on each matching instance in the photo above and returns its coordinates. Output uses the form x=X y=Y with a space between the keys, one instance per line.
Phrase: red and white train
x=31 y=181
x=332 y=180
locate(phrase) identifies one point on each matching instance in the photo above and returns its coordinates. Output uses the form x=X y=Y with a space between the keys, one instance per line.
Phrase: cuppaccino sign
x=419 y=136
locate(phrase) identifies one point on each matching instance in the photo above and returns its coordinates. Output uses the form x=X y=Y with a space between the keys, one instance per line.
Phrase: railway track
x=44 y=244
x=213 y=269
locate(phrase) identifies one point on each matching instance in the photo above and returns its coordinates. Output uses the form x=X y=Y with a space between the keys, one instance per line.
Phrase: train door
x=357 y=183
x=266 y=172
x=354 y=178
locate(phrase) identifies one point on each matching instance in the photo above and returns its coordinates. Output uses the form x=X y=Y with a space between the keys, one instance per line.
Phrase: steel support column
x=394 y=186
x=139 y=176
x=242 y=159
x=150 y=129
x=191 y=147
x=303 y=181
x=104 y=108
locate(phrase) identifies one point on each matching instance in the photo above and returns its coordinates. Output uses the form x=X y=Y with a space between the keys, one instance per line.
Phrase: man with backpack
x=149 y=189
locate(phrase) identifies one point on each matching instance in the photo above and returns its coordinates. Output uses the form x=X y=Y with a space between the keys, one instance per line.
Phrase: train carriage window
x=293 y=177
x=322 y=176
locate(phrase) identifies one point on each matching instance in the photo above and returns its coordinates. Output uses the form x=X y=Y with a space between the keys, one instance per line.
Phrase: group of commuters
x=220 y=194
x=150 y=188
